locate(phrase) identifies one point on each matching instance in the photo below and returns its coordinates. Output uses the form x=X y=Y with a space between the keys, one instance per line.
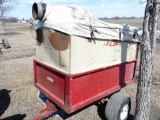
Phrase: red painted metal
x=48 y=110
x=52 y=81
x=74 y=91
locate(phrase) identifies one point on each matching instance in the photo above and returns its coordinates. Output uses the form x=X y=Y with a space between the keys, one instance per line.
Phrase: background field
x=136 y=23
x=16 y=75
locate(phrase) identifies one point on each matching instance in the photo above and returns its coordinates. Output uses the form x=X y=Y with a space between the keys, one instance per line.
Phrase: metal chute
x=38 y=10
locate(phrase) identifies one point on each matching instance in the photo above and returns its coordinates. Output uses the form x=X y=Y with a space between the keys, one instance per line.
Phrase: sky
x=99 y=8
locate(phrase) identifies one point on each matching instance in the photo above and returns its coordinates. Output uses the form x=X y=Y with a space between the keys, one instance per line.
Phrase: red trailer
x=78 y=63
x=71 y=92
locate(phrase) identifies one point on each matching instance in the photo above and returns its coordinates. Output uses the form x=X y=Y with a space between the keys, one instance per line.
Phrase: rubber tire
x=115 y=105
x=5 y=43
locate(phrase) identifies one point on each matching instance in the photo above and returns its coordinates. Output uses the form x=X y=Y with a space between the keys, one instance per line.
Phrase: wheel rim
x=124 y=112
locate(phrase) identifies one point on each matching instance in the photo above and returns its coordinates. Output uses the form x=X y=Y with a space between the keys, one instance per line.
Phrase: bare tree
x=147 y=48
x=5 y=6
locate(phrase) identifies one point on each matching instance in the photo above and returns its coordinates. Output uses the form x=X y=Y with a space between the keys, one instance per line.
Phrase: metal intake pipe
x=38 y=11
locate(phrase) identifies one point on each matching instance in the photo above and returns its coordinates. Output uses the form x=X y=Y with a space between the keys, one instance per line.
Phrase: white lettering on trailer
x=50 y=79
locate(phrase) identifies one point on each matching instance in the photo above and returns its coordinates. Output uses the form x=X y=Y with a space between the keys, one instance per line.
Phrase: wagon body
x=74 y=72
x=81 y=59
x=72 y=92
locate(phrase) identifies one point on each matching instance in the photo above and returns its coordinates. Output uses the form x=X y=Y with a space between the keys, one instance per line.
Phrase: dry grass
x=16 y=74
x=136 y=23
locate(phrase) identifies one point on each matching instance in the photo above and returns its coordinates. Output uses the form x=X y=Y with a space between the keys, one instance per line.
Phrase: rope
x=47 y=15
x=92 y=30
x=32 y=30
x=121 y=31
x=106 y=27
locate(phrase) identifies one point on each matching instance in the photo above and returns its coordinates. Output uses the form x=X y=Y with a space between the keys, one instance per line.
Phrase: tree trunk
x=147 y=49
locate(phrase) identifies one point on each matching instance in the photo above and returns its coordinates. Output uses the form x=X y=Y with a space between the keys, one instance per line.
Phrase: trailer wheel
x=118 y=107
x=5 y=43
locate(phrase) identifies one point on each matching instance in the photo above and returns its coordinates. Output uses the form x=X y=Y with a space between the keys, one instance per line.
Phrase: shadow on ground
x=15 y=117
x=100 y=112
x=4 y=104
x=4 y=100
x=64 y=115
x=7 y=33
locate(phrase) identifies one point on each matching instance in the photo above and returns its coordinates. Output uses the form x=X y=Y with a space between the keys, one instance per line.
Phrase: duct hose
x=38 y=11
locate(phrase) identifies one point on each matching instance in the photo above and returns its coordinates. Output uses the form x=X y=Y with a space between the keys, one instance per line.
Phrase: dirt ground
x=18 y=96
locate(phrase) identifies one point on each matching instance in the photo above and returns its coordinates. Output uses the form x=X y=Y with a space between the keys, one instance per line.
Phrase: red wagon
x=74 y=71
x=71 y=92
